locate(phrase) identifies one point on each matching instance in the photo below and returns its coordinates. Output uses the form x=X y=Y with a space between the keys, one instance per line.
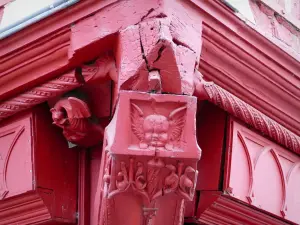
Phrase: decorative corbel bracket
x=150 y=157
x=74 y=117
x=150 y=151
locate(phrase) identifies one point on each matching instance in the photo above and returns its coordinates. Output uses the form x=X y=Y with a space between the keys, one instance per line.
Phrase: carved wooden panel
x=262 y=174
x=38 y=172
x=15 y=159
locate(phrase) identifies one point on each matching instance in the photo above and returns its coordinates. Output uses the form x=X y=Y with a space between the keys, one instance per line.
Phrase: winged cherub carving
x=155 y=131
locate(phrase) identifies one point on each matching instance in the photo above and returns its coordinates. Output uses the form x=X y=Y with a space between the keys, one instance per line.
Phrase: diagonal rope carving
x=104 y=68
x=240 y=109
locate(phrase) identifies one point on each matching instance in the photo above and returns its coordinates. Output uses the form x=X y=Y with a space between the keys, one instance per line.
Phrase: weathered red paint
x=115 y=53
x=245 y=167
x=149 y=160
x=74 y=117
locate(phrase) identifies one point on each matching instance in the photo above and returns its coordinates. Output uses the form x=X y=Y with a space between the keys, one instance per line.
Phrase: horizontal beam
x=240 y=109
x=56 y=87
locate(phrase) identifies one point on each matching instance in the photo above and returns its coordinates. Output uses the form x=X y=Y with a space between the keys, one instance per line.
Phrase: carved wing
x=177 y=121
x=137 y=120
x=79 y=109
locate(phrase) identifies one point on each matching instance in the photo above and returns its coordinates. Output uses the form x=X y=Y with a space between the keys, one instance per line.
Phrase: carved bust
x=156 y=131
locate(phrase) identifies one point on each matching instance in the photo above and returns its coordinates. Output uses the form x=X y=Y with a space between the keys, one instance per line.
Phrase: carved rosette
x=151 y=154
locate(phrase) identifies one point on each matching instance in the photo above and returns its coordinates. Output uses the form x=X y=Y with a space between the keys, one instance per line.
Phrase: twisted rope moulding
x=251 y=116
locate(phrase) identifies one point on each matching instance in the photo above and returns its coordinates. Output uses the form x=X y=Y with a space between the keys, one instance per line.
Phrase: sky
x=20 y=9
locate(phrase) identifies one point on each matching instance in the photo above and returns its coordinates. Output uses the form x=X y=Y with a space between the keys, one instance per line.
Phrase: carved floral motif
x=155 y=166
x=172 y=180
x=140 y=181
x=151 y=182
x=156 y=131
x=122 y=181
x=106 y=177
x=187 y=183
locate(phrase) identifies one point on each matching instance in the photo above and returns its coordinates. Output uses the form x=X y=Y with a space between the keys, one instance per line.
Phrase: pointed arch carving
x=273 y=174
x=290 y=178
x=264 y=151
x=3 y=184
x=292 y=170
x=250 y=166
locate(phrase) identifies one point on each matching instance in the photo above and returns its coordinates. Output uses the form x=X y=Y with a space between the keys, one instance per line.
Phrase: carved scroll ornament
x=151 y=179
x=250 y=115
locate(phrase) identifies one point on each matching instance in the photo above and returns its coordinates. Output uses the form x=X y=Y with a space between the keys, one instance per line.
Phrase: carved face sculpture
x=58 y=116
x=68 y=109
x=156 y=130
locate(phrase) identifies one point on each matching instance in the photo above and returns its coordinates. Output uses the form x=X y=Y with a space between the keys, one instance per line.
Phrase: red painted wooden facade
x=152 y=112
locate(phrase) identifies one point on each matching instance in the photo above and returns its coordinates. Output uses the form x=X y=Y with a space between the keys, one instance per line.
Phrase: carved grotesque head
x=157 y=131
x=67 y=110
x=58 y=116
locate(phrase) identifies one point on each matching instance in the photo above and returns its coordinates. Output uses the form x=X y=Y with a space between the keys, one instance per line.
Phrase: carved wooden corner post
x=150 y=152
x=150 y=156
